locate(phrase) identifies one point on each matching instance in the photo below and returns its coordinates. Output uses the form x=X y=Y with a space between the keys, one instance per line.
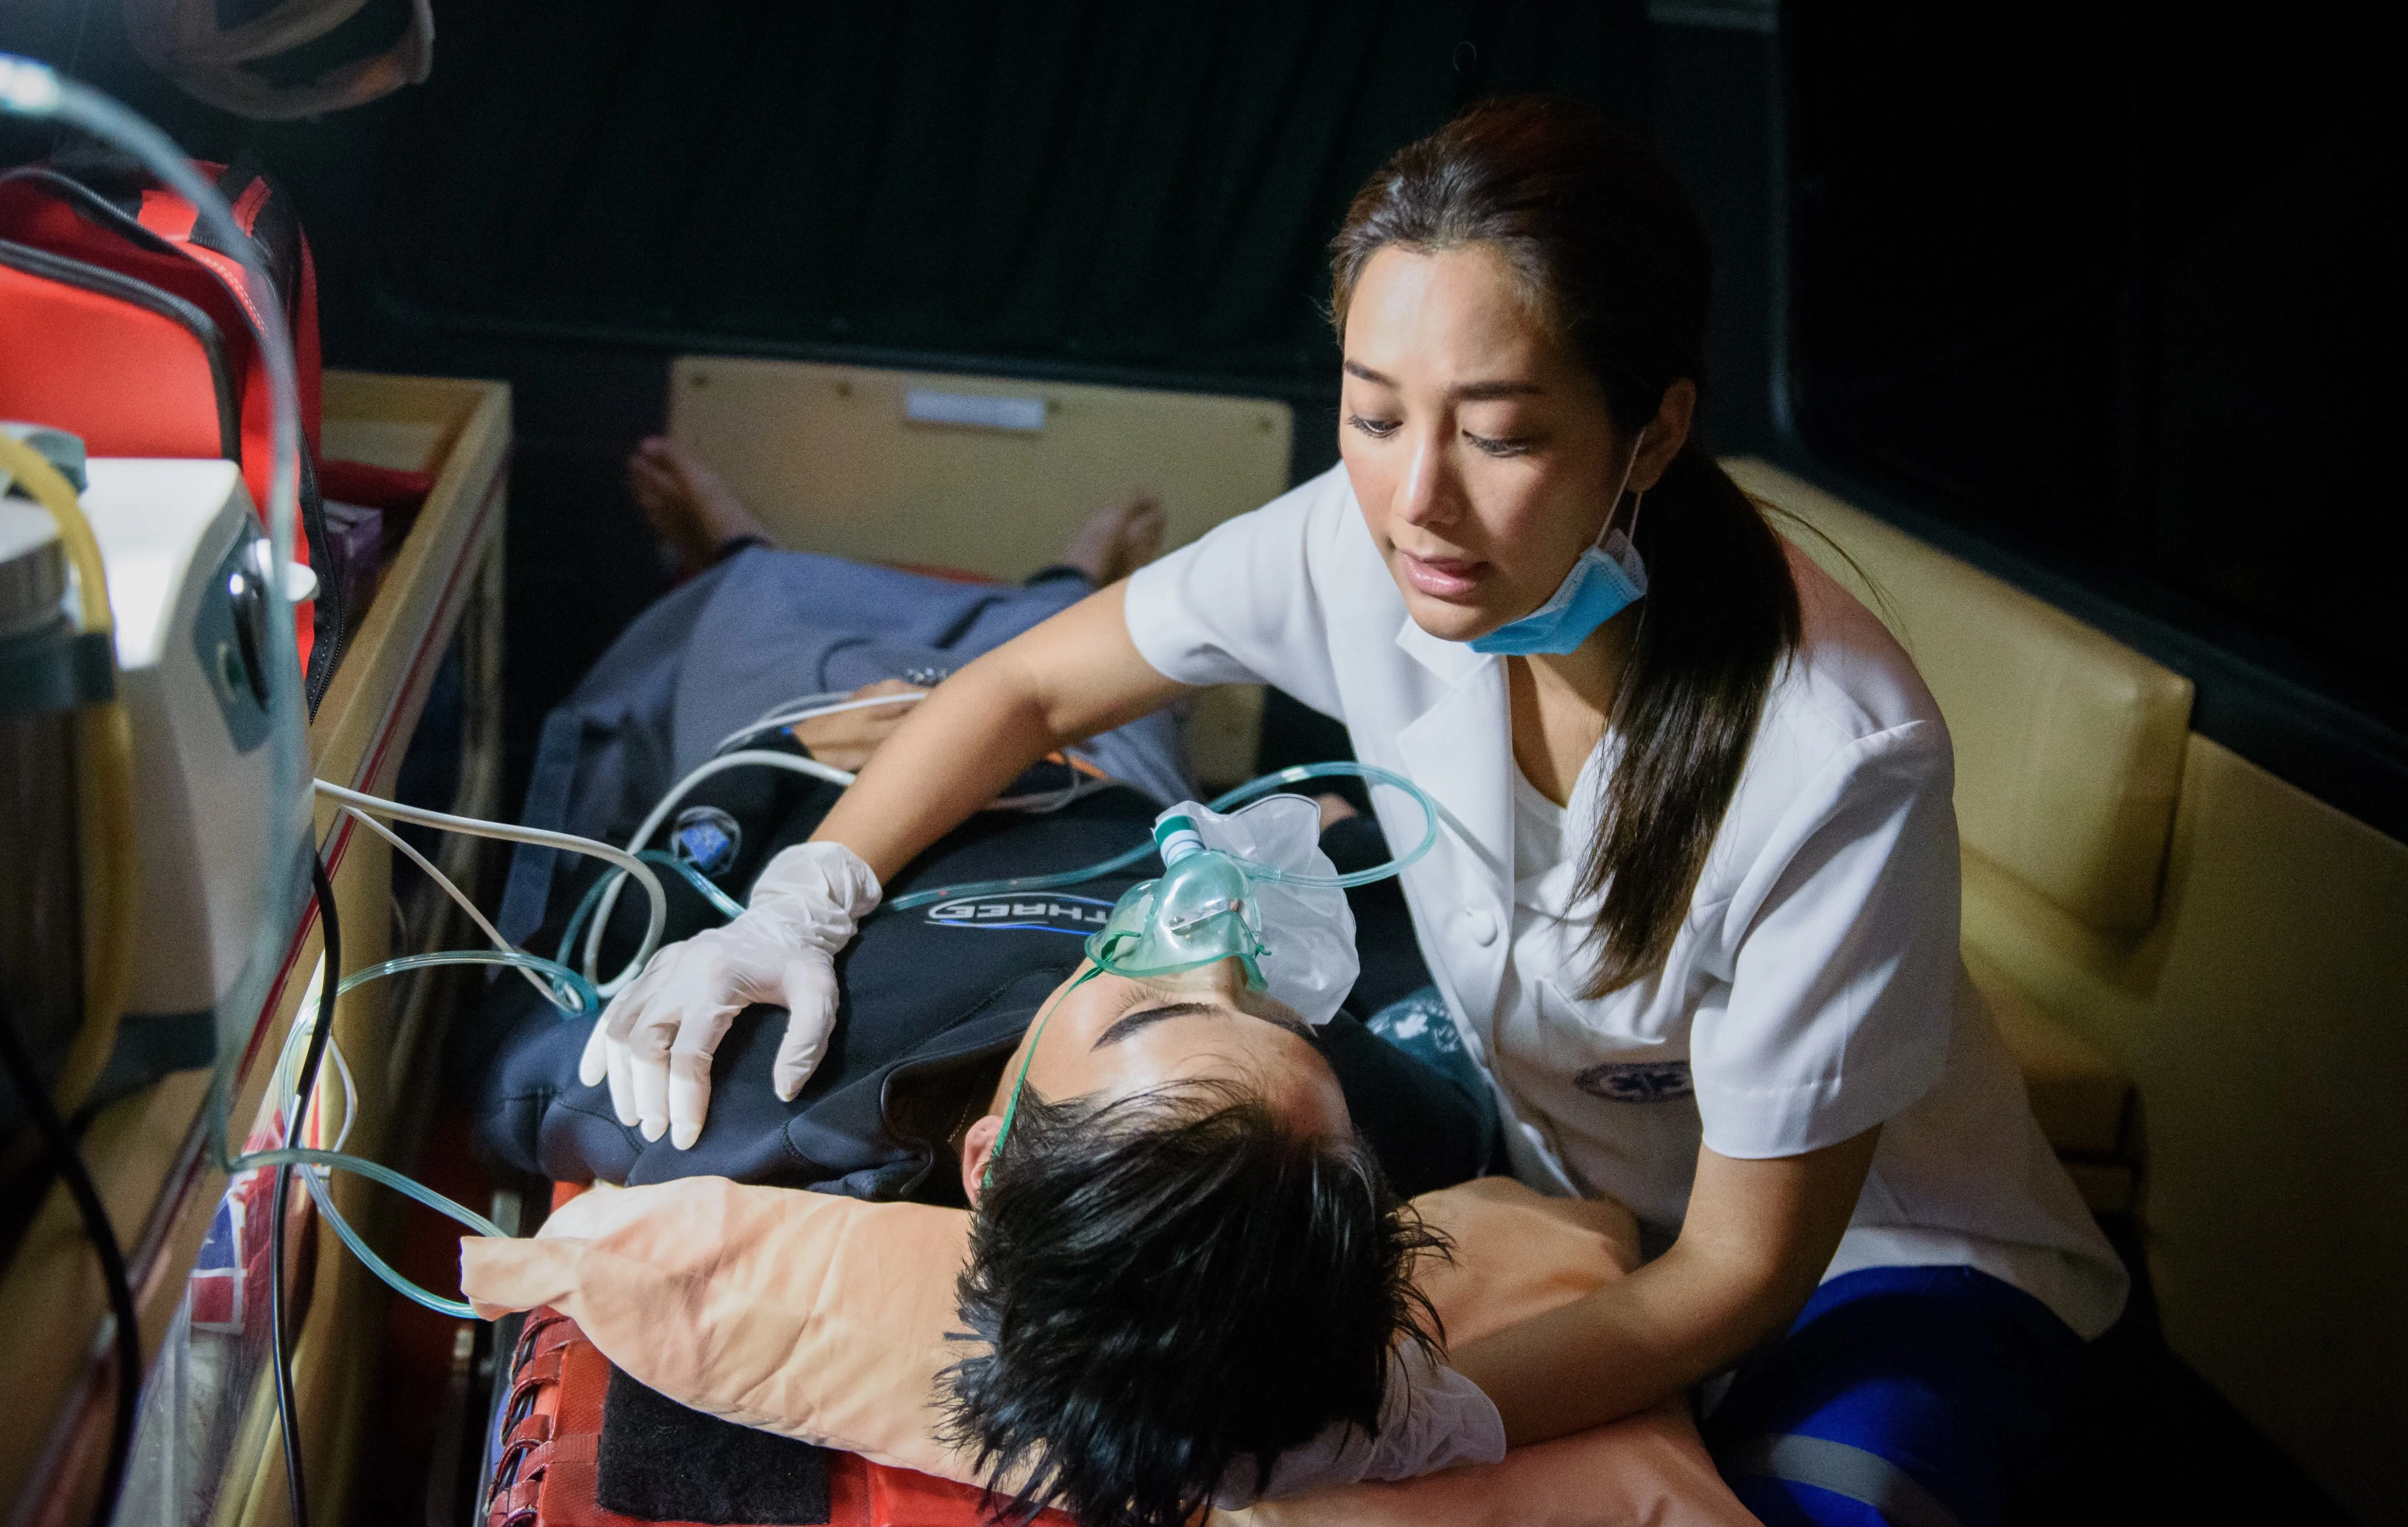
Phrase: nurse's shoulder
x=1312 y=533
x=1849 y=728
x=1849 y=677
x=1261 y=597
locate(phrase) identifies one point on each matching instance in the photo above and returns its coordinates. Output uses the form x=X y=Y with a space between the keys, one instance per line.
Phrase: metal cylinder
x=41 y=931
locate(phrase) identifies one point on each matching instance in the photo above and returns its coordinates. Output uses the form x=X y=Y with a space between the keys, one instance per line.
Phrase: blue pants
x=1910 y=1396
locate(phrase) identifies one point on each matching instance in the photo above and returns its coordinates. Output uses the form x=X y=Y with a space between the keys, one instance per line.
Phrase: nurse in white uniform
x=1694 y=904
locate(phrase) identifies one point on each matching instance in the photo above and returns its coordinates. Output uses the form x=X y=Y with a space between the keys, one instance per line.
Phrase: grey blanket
x=761 y=629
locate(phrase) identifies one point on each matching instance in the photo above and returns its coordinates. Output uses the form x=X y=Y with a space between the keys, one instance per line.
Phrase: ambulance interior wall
x=1140 y=196
x=1125 y=195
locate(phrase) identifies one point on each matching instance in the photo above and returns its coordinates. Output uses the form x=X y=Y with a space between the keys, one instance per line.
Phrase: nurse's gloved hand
x=655 y=1040
x=1431 y=1418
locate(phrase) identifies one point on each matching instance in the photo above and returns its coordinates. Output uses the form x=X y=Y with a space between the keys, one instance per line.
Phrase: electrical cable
x=287 y=1413
x=541 y=837
x=69 y=1162
x=812 y=708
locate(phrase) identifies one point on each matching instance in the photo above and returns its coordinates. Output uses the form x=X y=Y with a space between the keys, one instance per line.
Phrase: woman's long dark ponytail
x=1614 y=258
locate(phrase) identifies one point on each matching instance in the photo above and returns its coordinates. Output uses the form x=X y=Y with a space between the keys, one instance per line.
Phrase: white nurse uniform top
x=1815 y=989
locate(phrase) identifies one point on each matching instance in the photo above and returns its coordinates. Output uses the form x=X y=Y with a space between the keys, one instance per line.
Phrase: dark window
x=1096 y=185
x=2114 y=286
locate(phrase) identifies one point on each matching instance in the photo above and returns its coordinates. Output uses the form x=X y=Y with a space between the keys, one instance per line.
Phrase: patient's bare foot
x=689 y=507
x=1117 y=540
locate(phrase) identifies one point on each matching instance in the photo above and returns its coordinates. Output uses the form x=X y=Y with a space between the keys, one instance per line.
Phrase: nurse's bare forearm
x=1757 y=1237
x=957 y=750
x=1059 y=682
x=1618 y=1350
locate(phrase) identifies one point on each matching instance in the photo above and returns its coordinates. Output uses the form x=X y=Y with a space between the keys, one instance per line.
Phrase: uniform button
x=1484 y=925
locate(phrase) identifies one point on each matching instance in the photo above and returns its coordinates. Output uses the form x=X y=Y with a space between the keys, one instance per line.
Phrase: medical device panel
x=179 y=541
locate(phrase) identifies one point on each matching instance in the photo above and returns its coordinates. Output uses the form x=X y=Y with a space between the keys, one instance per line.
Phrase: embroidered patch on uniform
x=1637 y=1081
x=1079 y=915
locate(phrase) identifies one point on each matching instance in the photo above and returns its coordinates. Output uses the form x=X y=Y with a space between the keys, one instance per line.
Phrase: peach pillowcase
x=829 y=1320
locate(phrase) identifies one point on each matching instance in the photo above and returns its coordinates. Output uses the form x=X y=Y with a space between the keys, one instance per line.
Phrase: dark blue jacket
x=932 y=1000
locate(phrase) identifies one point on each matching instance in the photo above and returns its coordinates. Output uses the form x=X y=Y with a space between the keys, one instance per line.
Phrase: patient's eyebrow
x=1129 y=1023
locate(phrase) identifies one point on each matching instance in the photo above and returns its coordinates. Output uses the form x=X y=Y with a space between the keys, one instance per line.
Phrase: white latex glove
x=655 y=1040
x=1432 y=1418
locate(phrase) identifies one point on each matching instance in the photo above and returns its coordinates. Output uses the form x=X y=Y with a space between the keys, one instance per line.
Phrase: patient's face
x=1114 y=1036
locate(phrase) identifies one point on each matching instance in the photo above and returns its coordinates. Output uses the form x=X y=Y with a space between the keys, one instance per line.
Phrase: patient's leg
x=697 y=517
x=691 y=509
x=1116 y=540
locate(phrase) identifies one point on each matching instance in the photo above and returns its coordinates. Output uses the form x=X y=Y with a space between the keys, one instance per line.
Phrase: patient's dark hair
x=1168 y=1283
x=1613 y=258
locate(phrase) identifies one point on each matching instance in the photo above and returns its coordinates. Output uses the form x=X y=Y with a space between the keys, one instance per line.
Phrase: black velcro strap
x=661 y=1461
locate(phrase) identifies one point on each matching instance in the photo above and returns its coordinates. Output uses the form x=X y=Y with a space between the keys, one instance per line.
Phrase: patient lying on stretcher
x=1188 y=1258
x=1255 y=1302
x=1183 y=1254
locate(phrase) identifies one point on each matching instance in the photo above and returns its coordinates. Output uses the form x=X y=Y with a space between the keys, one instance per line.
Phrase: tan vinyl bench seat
x=2069 y=758
x=2080 y=1098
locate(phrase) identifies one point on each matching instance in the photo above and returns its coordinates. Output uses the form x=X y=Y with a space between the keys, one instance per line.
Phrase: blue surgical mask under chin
x=1607 y=580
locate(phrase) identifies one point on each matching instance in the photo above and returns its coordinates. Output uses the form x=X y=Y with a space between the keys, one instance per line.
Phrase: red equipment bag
x=547 y=1468
x=123 y=323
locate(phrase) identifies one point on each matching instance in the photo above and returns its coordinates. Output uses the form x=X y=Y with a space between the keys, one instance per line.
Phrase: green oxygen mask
x=1203 y=909
x=1251 y=886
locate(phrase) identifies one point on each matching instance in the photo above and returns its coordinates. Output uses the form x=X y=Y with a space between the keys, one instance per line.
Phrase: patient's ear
x=977 y=1149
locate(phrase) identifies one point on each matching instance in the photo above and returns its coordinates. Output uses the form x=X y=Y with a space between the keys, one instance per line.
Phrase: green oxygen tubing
x=565 y=989
x=1297 y=774
x=578 y=997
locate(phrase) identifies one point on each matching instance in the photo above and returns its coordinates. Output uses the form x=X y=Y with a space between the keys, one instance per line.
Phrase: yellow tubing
x=104 y=791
